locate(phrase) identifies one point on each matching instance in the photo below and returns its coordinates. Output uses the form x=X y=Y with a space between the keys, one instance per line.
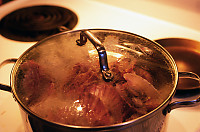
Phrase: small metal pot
x=74 y=46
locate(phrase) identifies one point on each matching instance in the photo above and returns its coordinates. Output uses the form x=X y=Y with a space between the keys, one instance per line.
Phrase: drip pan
x=186 y=54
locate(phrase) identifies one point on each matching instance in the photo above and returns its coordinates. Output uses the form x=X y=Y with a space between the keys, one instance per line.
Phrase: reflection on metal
x=86 y=34
x=186 y=54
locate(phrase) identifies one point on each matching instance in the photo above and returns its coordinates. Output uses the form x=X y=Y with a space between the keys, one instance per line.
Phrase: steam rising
x=104 y=103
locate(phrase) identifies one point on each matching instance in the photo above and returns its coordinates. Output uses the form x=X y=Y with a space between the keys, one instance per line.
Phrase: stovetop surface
x=92 y=14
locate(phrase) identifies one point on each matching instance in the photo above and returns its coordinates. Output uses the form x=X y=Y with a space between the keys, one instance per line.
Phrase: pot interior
x=60 y=81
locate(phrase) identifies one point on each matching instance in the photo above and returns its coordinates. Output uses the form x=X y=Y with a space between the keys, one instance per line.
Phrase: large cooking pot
x=57 y=56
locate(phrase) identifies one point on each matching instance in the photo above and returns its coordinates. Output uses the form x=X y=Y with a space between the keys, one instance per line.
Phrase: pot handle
x=191 y=103
x=181 y=104
x=7 y=61
x=190 y=75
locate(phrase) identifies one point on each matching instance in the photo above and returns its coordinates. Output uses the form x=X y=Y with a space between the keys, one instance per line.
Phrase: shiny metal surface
x=186 y=53
x=86 y=34
x=93 y=15
x=177 y=104
x=3 y=86
x=150 y=122
x=160 y=60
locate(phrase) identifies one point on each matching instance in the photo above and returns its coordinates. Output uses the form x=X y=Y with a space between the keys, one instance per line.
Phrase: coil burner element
x=37 y=22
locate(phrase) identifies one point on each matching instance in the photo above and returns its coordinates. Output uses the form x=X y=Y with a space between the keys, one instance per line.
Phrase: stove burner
x=37 y=22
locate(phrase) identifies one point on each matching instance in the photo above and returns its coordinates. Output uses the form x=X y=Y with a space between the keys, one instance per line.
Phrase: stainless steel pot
x=72 y=47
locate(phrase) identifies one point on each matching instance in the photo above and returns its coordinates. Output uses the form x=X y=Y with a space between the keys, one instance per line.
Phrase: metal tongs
x=86 y=34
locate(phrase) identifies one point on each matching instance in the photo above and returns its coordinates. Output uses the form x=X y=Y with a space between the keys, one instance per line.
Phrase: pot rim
x=118 y=125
